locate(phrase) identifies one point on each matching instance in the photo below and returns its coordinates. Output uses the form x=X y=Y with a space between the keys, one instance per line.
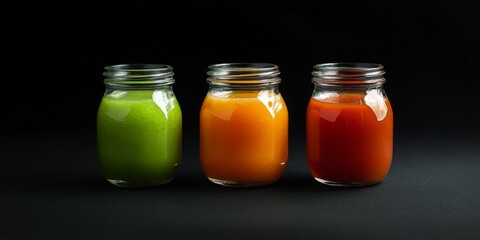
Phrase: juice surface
x=139 y=136
x=350 y=138
x=244 y=136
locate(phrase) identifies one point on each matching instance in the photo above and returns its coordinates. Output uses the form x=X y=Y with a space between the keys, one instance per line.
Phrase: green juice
x=139 y=137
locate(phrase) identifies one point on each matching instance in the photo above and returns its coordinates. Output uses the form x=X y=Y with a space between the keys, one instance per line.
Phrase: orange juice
x=243 y=137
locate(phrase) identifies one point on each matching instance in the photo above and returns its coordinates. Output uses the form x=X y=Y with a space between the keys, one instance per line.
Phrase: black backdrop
x=53 y=56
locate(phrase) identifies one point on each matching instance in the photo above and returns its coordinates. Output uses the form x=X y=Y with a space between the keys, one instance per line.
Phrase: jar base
x=345 y=184
x=127 y=184
x=236 y=184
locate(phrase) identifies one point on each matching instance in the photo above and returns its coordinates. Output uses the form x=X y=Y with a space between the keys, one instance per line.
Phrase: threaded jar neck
x=348 y=74
x=138 y=75
x=243 y=74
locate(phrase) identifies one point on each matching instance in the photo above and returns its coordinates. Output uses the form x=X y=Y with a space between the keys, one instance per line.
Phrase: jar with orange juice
x=243 y=125
x=349 y=125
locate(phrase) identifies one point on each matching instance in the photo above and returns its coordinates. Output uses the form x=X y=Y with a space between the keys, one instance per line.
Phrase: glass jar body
x=243 y=137
x=244 y=132
x=139 y=136
x=349 y=134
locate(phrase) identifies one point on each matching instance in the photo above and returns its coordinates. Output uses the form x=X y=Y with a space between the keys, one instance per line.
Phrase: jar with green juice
x=139 y=126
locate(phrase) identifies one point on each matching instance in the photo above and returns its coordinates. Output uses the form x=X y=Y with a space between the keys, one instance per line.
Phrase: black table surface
x=52 y=189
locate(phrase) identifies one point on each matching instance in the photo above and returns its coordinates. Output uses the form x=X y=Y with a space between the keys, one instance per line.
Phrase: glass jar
x=139 y=126
x=243 y=125
x=349 y=125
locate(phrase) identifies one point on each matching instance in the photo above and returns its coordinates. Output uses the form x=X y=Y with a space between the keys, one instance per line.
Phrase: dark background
x=55 y=53
x=53 y=56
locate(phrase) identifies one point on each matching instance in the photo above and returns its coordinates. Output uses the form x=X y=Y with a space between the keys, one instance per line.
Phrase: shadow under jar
x=349 y=125
x=139 y=126
x=243 y=125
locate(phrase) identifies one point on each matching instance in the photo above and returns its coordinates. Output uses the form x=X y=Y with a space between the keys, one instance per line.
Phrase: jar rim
x=244 y=66
x=350 y=73
x=139 y=67
x=138 y=75
x=243 y=73
x=354 y=66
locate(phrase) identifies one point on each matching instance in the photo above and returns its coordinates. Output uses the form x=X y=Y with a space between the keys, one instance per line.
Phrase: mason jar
x=139 y=126
x=243 y=125
x=349 y=125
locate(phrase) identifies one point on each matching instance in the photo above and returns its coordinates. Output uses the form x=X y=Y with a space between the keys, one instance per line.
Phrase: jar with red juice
x=349 y=127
